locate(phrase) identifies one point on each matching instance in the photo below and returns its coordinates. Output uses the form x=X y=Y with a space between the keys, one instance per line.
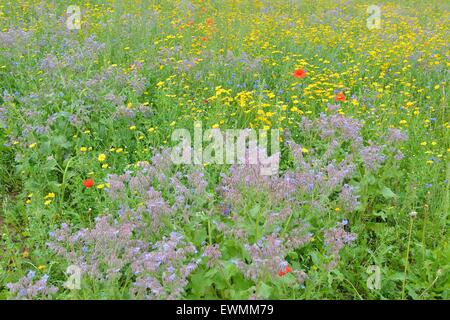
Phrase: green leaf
x=200 y=284
x=264 y=291
x=388 y=193
x=254 y=211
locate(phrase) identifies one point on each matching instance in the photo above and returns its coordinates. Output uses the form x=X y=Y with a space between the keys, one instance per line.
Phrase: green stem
x=209 y=232
x=407 y=257
x=63 y=185
x=257 y=228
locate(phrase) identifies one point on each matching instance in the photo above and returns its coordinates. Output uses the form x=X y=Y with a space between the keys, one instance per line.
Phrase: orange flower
x=299 y=73
x=340 y=97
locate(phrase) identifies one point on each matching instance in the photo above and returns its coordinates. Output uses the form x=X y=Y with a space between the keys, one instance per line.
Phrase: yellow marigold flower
x=47 y=202
x=33 y=145
x=83 y=149
x=105 y=166
x=101 y=157
x=100 y=186
x=337 y=209
x=51 y=195
x=133 y=128
x=215 y=126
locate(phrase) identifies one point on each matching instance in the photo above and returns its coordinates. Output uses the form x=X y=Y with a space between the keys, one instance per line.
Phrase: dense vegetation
x=88 y=188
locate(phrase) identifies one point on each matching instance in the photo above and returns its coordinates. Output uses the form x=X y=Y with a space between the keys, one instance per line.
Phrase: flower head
x=101 y=157
x=299 y=73
x=340 y=97
x=88 y=183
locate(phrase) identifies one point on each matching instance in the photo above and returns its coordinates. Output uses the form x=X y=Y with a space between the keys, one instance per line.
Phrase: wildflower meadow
x=224 y=149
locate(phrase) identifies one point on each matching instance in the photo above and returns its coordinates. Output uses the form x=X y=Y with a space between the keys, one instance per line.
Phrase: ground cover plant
x=92 y=205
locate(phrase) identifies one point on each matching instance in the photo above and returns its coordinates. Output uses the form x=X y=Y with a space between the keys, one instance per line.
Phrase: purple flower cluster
x=337 y=126
x=27 y=289
x=163 y=272
x=114 y=247
x=268 y=260
x=372 y=156
x=151 y=179
x=101 y=252
x=212 y=253
x=14 y=37
x=335 y=240
x=348 y=198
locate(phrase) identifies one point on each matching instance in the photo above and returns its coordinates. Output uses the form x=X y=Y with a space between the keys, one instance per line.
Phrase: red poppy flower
x=340 y=97
x=282 y=273
x=299 y=73
x=88 y=183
